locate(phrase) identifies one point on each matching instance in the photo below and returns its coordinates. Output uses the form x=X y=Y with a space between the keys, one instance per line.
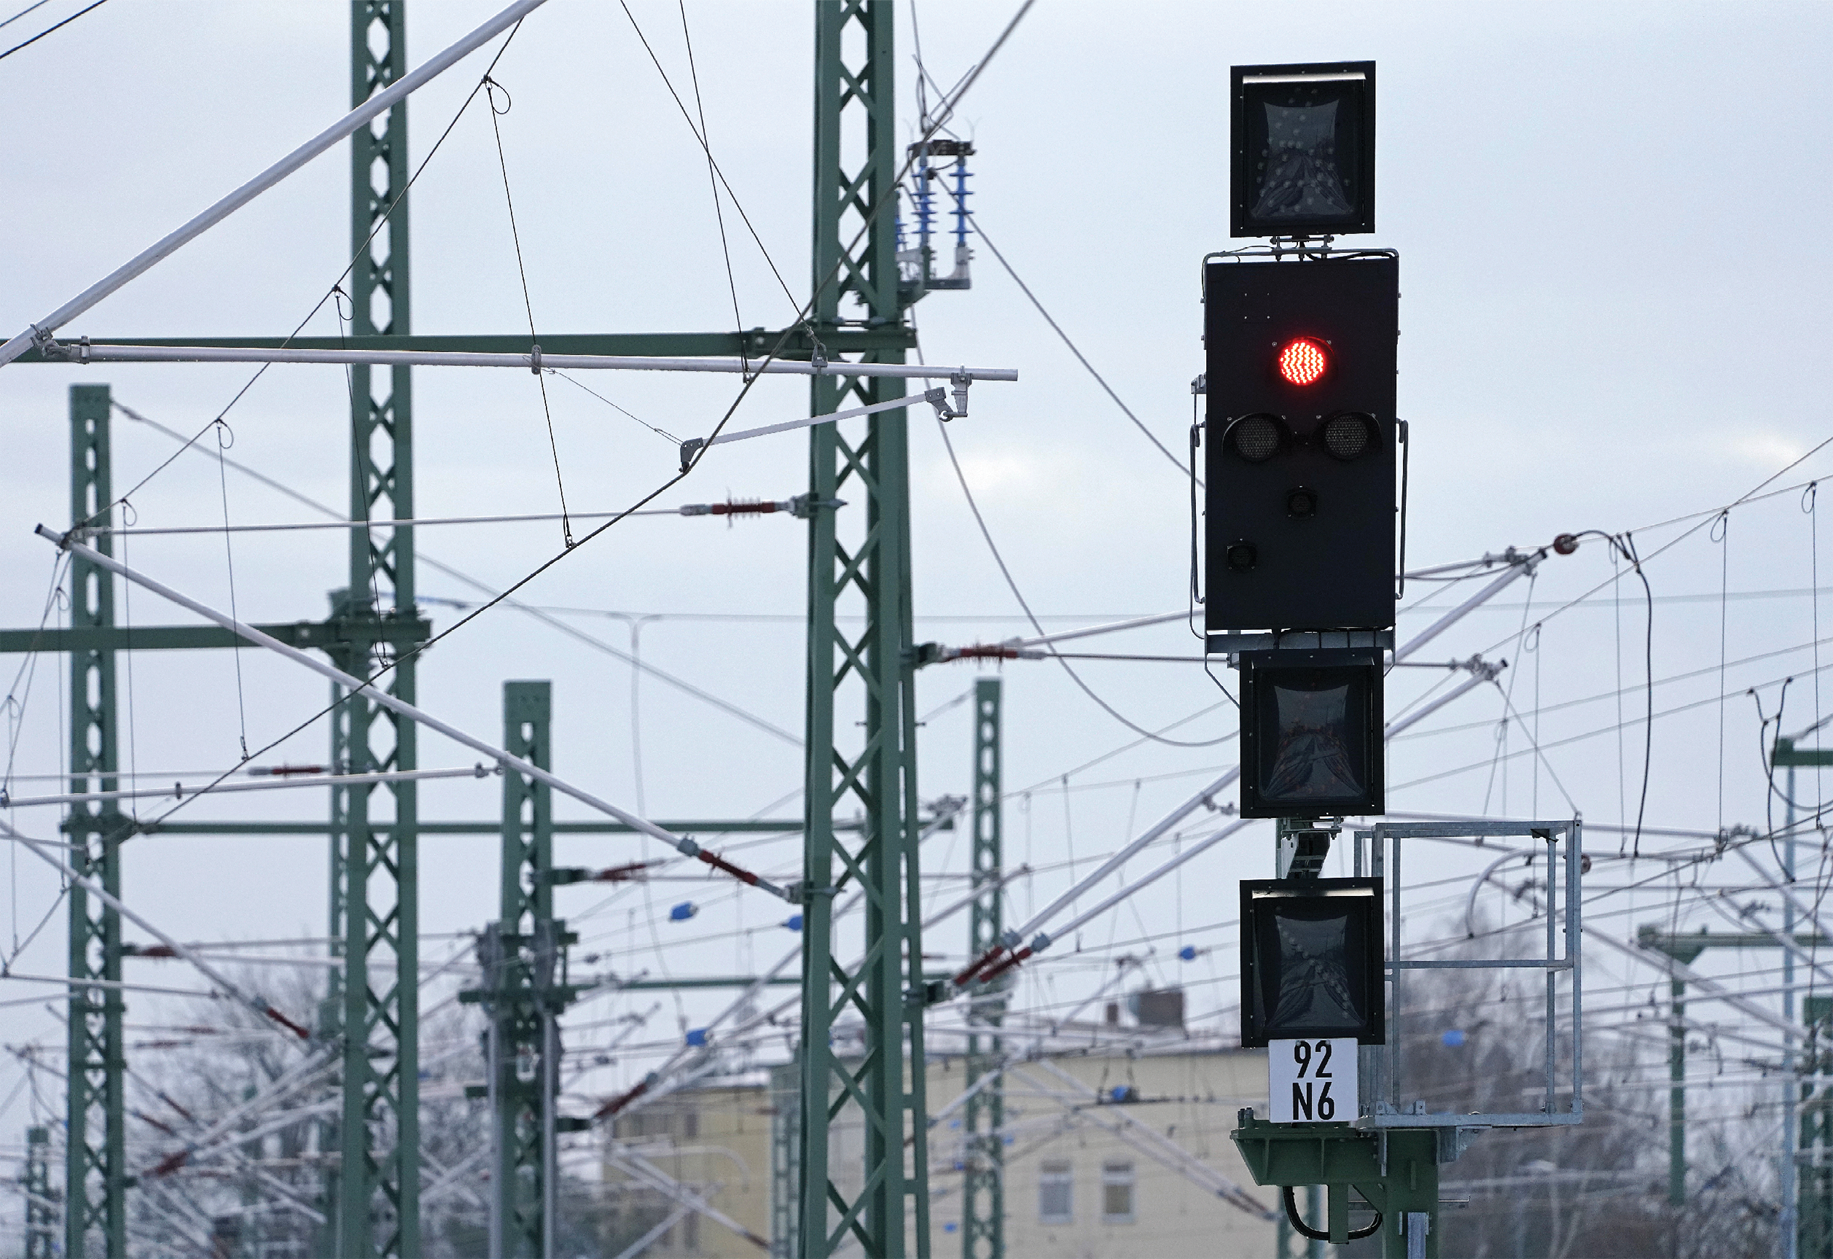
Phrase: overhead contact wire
x=493 y=87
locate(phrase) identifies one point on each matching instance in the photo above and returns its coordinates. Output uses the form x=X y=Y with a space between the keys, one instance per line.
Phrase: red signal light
x=1303 y=361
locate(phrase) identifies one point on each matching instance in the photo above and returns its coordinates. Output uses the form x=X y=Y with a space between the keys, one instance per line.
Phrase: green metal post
x=784 y=1148
x=1677 y=1094
x=95 y=1174
x=1790 y=1224
x=878 y=1083
x=1816 y=1235
x=374 y=867
x=983 y=1191
x=520 y=955
x=40 y=1202
x=1683 y=949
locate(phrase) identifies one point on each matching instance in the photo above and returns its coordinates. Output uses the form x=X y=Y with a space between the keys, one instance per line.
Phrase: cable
x=381 y=221
x=712 y=175
x=660 y=432
x=1625 y=546
x=73 y=17
x=229 y=558
x=1305 y=1230
x=713 y=166
x=540 y=614
x=1080 y=357
x=492 y=87
x=687 y=468
x=1036 y=624
x=30 y=8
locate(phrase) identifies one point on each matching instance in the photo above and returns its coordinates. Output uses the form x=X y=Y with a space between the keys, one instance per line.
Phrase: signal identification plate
x=1312 y=1081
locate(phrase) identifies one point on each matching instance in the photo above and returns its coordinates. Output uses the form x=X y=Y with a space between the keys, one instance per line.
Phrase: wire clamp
x=689 y=448
x=804 y=506
x=534 y=358
x=960 y=381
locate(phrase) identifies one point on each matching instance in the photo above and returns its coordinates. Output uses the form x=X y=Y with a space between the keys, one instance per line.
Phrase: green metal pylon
x=983 y=1184
x=95 y=1173
x=1683 y=950
x=860 y=680
x=375 y=1197
x=40 y=1199
x=1815 y=1239
x=785 y=1179
x=523 y=959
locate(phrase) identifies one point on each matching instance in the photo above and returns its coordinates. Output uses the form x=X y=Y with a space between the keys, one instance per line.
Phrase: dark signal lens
x=1256 y=438
x=1303 y=361
x=1349 y=435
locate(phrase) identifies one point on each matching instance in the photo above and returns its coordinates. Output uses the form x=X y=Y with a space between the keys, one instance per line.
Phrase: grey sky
x=1611 y=221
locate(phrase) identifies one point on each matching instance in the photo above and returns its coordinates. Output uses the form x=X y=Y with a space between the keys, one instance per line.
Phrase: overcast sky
x=1611 y=224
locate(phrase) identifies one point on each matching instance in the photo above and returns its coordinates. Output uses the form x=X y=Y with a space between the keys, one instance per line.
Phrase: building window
x=1117 y=1191
x=1056 y=1181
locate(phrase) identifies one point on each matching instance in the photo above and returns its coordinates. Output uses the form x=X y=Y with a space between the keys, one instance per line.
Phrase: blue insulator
x=697 y=1037
x=1453 y=1038
x=925 y=214
x=961 y=196
x=683 y=911
x=793 y=922
x=1188 y=952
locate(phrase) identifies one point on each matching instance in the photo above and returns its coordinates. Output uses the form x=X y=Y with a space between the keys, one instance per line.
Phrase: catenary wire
x=27 y=43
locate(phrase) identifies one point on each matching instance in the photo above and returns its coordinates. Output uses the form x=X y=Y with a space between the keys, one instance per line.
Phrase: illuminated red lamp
x=1303 y=361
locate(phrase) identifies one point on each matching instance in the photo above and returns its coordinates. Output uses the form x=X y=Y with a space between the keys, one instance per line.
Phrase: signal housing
x=1334 y=567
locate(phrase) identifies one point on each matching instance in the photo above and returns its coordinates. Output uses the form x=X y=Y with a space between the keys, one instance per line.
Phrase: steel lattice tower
x=860 y=673
x=374 y=904
x=983 y=1192
x=95 y=1173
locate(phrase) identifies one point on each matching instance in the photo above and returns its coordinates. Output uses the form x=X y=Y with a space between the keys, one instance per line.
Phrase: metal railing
x=1378 y=852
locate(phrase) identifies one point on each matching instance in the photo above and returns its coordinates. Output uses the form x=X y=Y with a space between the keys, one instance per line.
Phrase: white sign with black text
x=1312 y=1081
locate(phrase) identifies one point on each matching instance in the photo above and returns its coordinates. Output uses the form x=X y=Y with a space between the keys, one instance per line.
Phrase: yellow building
x=1119 y=1150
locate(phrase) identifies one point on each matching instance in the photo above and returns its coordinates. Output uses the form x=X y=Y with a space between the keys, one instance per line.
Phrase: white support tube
x=1195 y=850
x=1189 y=806
x=1418 y=715
x=178 y=791
x=359 y=117
x=1801 y=907
x=84 y=352
x=1711 y=988
x=642 y=1243
x=1805 y=911
x=1016 y=1056
x=1519 y=568
x=546 y=618
x=686 y=847
x=1136 y=1135
x=209 y=972
x=1113 y=863
x=1113 y=627
x=386 y=523
x=641 y=1169
x=1173 y=1155
x=13 y=976
x=895 y=404
x=665 y=1072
